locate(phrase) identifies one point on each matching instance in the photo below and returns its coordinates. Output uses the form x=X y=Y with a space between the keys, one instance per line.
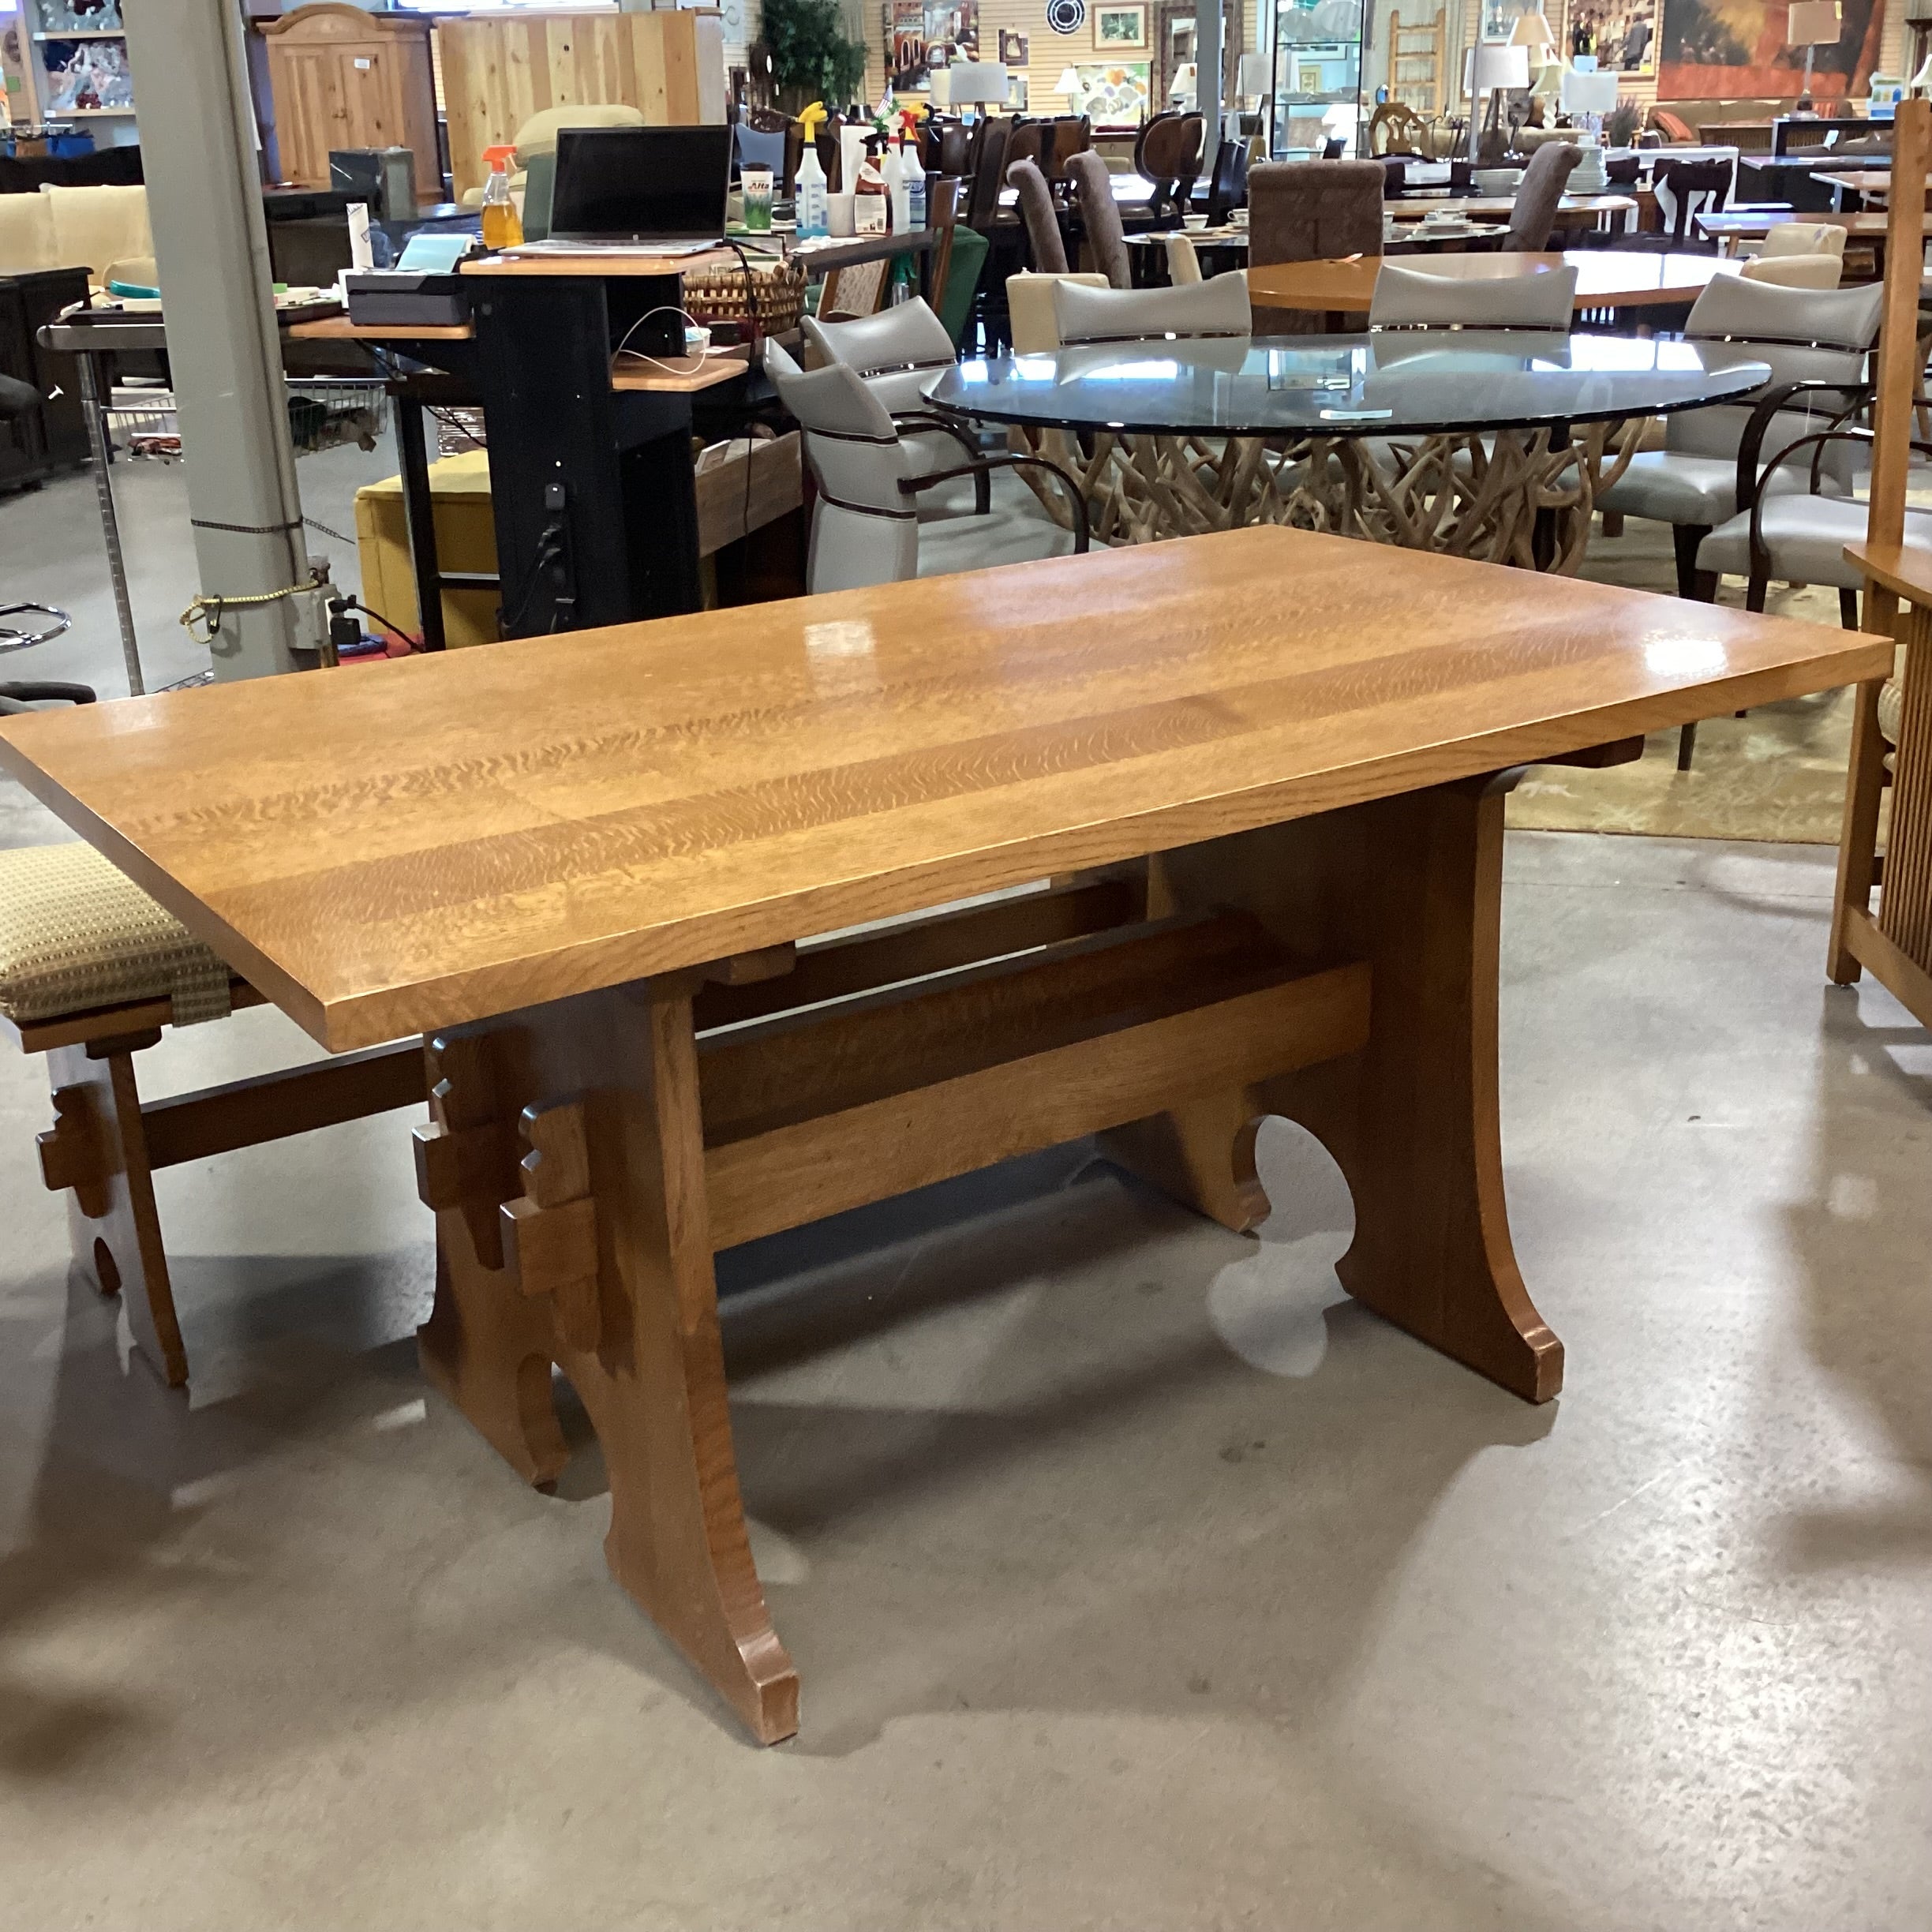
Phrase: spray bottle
x=503 y=227
x=809 y=198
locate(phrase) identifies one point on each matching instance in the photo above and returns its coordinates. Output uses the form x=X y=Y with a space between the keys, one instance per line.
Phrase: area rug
x=1778 y=773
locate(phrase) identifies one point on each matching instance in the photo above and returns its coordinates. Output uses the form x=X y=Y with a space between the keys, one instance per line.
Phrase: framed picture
x=1013 y=46
x=1308 y=78
x=1120 y=29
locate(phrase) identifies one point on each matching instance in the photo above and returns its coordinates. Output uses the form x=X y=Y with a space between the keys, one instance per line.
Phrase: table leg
x=419 y=516
x=565 y=1165
x=94 y=396
x=1414 y=884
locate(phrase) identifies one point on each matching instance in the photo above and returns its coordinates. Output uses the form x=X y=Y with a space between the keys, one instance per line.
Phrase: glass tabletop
x=1415 y=381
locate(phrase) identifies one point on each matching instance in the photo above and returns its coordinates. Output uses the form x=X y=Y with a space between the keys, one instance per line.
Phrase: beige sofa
x=73 y=228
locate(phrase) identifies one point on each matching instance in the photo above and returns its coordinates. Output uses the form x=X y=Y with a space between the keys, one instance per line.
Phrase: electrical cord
x=344 y=604
x=744 y=520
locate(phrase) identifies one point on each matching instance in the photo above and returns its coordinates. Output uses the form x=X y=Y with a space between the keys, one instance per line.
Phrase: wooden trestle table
x=1265 y=770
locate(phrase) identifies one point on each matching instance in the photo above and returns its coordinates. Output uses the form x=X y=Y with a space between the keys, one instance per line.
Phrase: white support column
x=198 y=154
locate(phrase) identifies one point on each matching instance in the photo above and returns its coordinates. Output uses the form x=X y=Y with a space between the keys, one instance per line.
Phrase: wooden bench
x=90 y=970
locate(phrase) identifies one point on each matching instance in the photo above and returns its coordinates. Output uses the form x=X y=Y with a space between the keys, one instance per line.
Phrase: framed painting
x=1735 y=50
x=1120 y=29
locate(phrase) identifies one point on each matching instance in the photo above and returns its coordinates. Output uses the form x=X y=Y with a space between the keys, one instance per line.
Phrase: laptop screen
x=641 y=184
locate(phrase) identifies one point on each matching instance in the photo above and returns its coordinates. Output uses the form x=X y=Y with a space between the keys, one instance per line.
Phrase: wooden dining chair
x=1892 y=720
x=1696 y=187
x=1169 y=155
x=1227 y=182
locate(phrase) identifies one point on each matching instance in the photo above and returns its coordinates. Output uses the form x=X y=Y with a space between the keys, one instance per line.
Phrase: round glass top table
x=1486 y=444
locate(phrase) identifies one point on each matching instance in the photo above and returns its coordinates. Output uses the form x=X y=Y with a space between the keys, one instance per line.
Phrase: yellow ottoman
x=466 y=533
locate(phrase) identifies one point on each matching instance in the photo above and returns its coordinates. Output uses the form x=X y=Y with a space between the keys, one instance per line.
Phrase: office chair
x=17 y=399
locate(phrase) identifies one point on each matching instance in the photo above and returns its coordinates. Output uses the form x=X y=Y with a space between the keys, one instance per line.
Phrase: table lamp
x=1533 y=32
x=1251 y=82
x=977 y=84
x=1070 y=88
x=1589 y=93
x=1491 y=67
x=1811 y=25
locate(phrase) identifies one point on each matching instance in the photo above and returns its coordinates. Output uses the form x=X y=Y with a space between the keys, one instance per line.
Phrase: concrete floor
x=1135 y=1576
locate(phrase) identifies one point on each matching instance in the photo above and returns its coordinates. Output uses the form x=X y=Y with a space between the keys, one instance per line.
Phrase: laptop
x=655 y=190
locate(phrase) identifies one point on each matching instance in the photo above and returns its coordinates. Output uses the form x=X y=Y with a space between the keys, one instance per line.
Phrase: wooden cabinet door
x=370 y=83
x=307 y=94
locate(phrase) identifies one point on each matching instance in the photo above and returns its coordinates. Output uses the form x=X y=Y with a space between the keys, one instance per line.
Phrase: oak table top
x=452 y=837
x=1606 y=278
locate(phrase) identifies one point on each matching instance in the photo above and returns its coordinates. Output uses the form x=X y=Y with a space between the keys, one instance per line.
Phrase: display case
x=1317 y=84
x=77 y=66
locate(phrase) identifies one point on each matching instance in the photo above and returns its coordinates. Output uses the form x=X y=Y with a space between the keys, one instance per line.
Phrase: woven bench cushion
x=1891 y=705
x=76 y=934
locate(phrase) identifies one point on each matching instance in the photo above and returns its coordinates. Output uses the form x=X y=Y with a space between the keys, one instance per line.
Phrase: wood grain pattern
x=1606 y=278
x=1412 y=886
x=114 y=1224
x=440 y=838
x=339 y=328
x=653 y=1383
x=499 y=70
x=801 y=1171
x=608 y=266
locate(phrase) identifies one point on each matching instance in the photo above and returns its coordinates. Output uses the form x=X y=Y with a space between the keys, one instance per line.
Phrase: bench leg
x=97 y=1149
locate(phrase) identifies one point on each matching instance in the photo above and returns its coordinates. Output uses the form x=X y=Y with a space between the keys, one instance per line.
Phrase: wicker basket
x=720 y=295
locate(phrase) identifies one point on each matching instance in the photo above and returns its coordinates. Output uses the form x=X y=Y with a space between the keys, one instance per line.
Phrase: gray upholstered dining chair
x=1414 y=297
x=1194 y=309
x=866 y=529
x=1534 y=213
x=1043 y=222
x=1817 y=342
x=898 y=353
x=1093 y=192
x=1797 y=533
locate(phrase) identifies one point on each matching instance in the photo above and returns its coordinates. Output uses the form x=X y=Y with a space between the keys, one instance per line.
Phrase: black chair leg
x=1755 y=590
x=1687 y=743
x=1847 y=609
x=1700 y=587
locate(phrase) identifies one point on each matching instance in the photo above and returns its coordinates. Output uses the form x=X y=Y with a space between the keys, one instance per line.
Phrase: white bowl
x=1497 y=180
x=1194 y=223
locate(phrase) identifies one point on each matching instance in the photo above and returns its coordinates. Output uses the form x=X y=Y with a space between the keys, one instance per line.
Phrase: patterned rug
x=1778 y=773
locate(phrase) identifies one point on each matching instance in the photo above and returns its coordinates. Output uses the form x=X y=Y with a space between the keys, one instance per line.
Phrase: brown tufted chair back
x=1314 y=211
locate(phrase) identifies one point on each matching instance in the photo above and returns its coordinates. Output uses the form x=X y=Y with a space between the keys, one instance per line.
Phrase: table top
x=1749 y=223
x=1499 y=208
x=339 y=328
x=1860 y=181
x=1411 y=381
x=446 y=837
x=1606 y=278
x=1904 y=569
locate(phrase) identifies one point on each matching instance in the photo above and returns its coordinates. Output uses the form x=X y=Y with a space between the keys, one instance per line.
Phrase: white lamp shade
x=1252 y=79
x=1812 y=23
x=977 y=81
x=1589 y=93
x=1069 y=82
x=1492 y=64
